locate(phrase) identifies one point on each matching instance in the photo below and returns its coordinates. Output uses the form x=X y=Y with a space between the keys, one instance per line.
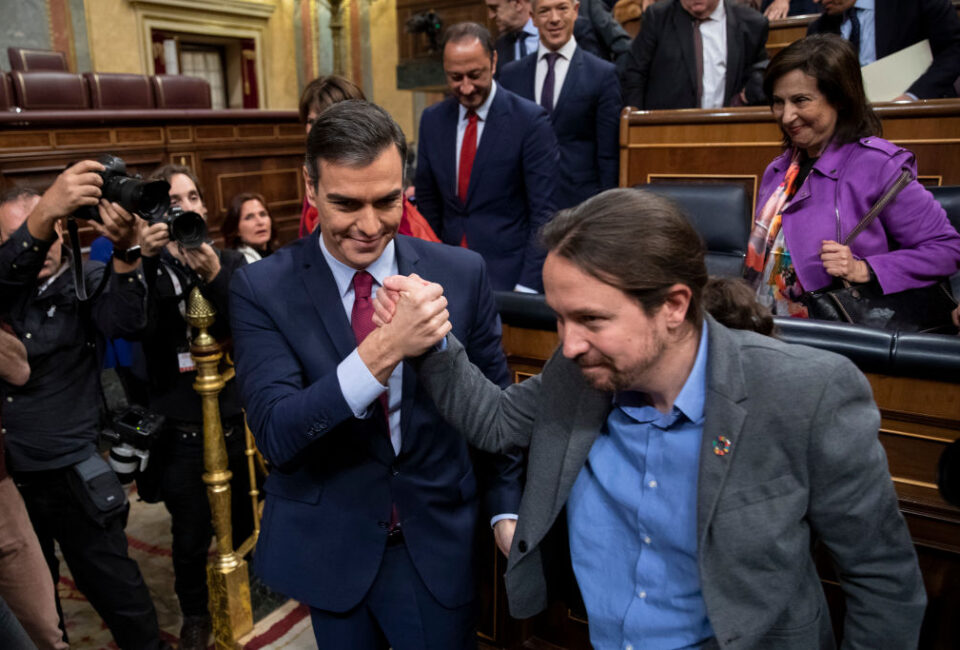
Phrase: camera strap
x=79 y=284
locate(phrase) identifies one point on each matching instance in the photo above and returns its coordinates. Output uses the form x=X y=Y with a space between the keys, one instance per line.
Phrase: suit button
x=522 y=546
x=395 y=471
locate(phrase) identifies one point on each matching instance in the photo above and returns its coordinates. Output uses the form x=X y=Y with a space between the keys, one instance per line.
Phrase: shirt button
x=646 y=540
x=10 y=398
x=629 y=647
x=25 y=244
x=652 y=484
x=28 y=335
x=36 y=248
x=642 y=594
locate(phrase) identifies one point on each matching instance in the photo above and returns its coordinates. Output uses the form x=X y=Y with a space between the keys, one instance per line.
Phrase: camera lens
x=149 y=199
x=189 y=229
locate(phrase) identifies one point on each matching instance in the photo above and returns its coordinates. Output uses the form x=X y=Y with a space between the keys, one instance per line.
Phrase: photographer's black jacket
x=171 y=391
x=54 y=419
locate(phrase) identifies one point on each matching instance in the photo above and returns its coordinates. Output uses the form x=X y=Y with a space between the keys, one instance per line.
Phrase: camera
x=429 y=23
x=189 y=229
x=132 y=434
x=149 y=199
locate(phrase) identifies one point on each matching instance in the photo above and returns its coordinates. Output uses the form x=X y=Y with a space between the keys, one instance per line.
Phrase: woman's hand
x=839 y=262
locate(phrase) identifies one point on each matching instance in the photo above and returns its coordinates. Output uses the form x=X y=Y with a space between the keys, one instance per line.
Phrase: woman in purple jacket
x=833 y=169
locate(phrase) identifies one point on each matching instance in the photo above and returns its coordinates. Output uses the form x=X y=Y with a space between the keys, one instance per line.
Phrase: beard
x=603 y=373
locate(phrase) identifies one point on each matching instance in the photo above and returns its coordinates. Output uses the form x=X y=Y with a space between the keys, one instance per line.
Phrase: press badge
x=185 y=361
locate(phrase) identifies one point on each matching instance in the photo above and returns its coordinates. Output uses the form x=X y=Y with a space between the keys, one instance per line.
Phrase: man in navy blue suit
x=487 y=164
x=372 y=503
x=581 y=93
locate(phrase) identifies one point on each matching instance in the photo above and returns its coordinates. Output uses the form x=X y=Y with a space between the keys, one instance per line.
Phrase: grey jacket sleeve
x=853 y=509
x=491 y=418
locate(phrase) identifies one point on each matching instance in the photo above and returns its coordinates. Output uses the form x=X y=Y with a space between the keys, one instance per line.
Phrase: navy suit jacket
x=586 y=119
x=900 y=24
x=334 y=477
x=511 y=194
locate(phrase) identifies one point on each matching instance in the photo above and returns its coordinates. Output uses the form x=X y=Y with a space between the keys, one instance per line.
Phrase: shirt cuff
x=358 y=385
x=506 y=515
x=522 y=289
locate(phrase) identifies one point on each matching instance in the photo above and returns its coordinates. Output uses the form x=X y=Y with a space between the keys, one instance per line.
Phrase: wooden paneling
x=739 y=143
x=416 y=46
x=231 y=152
x=786 y=31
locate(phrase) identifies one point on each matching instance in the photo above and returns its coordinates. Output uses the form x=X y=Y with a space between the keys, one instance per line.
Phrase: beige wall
x=383 y=45
x=112 y=35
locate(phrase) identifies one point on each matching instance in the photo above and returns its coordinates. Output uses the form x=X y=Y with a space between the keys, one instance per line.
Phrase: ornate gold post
x=227 y=575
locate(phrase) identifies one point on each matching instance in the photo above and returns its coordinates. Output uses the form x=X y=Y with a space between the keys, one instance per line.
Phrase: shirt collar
x=866 y=5
x=484 y=107
x=383 y=267
x=689 y=401
x=566 y=51
x=720 y=13
x=528 y=29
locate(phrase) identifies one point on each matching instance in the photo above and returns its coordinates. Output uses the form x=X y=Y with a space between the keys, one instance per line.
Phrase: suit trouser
x=23 y=571
x=398 y=612
x=185 y=496
x=96 y=554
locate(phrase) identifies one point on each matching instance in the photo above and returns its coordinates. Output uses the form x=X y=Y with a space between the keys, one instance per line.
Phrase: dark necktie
x=698 y=58
x=468 y=151
x=521 y=39
x=549 y=82
x=854 y=29
x=361 y=320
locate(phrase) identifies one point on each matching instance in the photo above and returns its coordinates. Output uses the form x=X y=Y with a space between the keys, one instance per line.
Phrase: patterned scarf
x=767 y=225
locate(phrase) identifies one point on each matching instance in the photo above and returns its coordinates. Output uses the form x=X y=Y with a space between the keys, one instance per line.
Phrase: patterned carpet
x=279 y=623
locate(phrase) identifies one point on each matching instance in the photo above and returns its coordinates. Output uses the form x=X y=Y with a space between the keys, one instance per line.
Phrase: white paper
x=886 y=79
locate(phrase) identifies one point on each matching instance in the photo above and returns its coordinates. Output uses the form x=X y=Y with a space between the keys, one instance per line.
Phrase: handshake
x=411 y=314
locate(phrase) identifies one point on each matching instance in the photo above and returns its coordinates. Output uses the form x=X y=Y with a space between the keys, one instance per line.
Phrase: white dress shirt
x=359 y=387
x=560 y=67
x=713 y=32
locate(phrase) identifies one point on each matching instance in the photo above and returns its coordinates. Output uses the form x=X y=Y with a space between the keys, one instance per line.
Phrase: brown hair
x=830 y=60
x=324 y=92
x=166 y=172
x=636 y=241
x=733 y=303
x=231 y=223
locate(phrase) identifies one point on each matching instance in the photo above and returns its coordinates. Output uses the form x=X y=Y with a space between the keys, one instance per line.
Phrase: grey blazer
x=804 y=463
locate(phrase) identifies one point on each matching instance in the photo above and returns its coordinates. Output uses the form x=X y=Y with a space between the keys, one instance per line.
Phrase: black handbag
x=924 y=309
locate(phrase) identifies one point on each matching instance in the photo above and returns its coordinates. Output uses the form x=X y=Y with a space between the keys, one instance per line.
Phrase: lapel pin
x=721 y=445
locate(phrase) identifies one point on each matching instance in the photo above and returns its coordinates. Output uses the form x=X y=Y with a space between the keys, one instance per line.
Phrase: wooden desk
x=737 y=144
x=787 y=30
x=231 y=151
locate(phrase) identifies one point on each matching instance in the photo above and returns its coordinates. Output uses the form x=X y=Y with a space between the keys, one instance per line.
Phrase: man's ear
x=676 y=305
x=308 y=188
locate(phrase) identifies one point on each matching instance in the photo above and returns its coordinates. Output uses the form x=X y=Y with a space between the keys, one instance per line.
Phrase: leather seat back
x=50 y=90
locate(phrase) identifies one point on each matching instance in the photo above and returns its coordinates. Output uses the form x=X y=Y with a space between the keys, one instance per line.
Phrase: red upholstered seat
x=28 y=60
x=6 y=92
x=50 y=90
x=178 y=91
x=119 y=91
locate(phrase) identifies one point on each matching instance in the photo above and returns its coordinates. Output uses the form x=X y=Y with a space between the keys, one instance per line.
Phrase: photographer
x=176 y=467
x=52 y=421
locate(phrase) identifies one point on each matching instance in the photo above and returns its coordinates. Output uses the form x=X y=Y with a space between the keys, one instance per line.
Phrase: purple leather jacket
x=842 y=187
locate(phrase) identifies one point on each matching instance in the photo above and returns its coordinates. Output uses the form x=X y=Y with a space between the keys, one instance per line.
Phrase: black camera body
x=132 y=436
x=189 y=229
x=429 y=23
x=149 y=199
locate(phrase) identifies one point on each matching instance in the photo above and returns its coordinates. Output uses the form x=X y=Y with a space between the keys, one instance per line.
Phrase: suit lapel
x=592 y=409
x=734 y=55
x=325 y=296
x=446 y=137
x=407 y=262
x=493 y=130
x=724 y=415
x=885 y=23
x=570 y=83
x=683 y=28
x=529 y=77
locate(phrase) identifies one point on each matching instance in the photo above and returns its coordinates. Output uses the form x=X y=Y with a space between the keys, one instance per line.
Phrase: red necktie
x=468 y=151
x=362 y=322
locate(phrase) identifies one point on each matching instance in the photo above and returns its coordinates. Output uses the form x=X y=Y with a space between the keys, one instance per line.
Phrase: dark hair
x=166 y=172
x=17 y=194
x=464 y=31
x=830 y=60
x=636 y=241
x=324 y=92
x=231 y=223
x=353 y=133
x=733 y=303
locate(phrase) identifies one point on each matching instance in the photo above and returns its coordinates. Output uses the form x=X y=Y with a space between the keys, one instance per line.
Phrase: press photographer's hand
x=153 y=237
x=119 y=226
x=79 y=185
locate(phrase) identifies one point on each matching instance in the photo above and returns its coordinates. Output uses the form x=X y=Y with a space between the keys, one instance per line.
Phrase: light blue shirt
x=359 y=387
x=632 y=517
x=868 y=30
x=531 y=40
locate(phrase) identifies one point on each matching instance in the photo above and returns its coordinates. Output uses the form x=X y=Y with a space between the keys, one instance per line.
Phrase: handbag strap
x=905 y=178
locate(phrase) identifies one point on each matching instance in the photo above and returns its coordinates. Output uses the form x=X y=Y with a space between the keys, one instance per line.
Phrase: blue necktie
x=546 y=93
x=854 y=29
x=522 y=42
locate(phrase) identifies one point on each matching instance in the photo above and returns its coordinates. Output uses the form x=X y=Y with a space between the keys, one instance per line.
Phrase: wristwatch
x=129 y=255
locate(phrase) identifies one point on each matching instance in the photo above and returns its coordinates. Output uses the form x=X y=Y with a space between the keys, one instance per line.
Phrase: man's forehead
x=14 y=213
